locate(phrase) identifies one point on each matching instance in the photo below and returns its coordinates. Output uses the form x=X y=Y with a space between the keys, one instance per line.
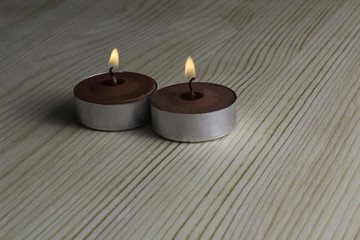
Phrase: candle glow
x=189 y=69
x=114 y=59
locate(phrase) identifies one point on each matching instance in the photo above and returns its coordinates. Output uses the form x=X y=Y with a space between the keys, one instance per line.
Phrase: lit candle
x=114 y=100
x=193 y=111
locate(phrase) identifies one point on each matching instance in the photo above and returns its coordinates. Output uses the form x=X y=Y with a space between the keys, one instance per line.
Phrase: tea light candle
x=114 y=101
x=193 y=112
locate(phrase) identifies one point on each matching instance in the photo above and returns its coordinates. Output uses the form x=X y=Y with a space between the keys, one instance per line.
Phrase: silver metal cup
x=112 y=117
x=196 y=127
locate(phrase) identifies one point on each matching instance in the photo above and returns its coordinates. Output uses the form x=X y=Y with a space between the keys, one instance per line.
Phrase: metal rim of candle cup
x=113 y=117
x=194 y=127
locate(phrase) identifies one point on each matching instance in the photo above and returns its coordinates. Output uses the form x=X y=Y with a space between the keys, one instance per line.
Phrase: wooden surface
x=289 y=170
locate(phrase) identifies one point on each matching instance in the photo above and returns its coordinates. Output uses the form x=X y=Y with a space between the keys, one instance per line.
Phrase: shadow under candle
x=64 y=114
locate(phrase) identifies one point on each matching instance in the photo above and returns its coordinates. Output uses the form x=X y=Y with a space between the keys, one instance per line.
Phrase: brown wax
x=208 y=98
x=100 y=89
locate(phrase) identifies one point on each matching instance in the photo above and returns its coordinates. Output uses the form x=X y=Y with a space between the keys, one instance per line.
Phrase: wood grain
x=289 y=170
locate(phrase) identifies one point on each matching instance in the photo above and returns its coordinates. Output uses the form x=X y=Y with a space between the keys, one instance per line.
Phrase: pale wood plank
x=290 y=169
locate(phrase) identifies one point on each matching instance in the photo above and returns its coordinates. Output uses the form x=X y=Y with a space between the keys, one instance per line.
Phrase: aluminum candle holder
x=194 y=127
x=113 y=117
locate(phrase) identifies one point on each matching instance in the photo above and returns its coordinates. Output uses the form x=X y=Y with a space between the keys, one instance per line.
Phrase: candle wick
x=190 y=87
x=112 y=75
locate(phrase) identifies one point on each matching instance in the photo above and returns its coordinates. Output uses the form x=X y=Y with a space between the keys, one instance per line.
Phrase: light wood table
x=289 y=170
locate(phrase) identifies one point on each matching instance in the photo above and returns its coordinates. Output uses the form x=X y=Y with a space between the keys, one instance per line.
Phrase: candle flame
x=114 y=59
x=189 y=68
